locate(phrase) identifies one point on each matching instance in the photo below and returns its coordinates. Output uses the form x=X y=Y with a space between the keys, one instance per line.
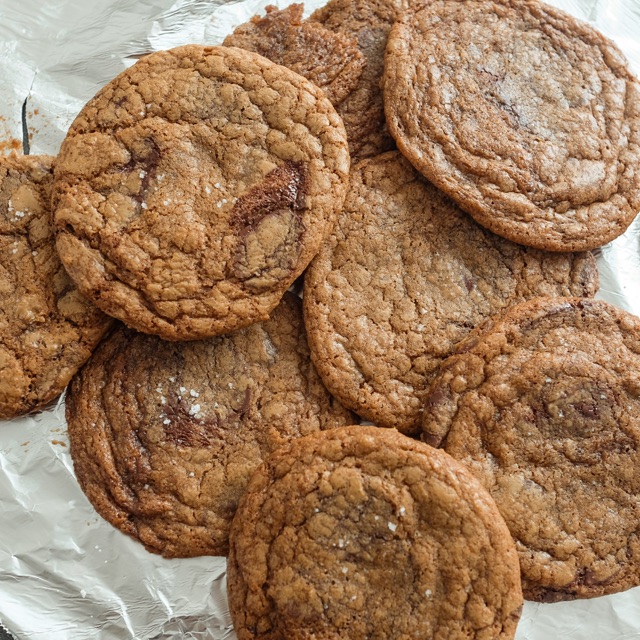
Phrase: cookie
x=165 y=436
x=196 y=187
x=361 y=532
x=47 y=329
x=369 y=22
x=527 y=117
x=542 y=405
x=331 y=60
x=406 y=275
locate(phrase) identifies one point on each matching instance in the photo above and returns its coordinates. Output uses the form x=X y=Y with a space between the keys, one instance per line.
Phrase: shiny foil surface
x=64 y=572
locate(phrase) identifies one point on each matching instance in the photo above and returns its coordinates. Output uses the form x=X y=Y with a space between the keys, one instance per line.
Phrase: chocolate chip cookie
x=196 y=187
x=165 y=436
x=361 y=532
x=47 y=329
x=404 y=276
x=331 y=60
x=369 y=22
x=543 y=405
x=527 y=117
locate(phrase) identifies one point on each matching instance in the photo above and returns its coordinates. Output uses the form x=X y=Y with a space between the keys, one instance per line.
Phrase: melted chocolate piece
x=186 y=429
x=282 y=188
x=269 y=227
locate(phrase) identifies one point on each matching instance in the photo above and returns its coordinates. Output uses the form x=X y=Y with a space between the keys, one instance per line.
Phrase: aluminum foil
x=64 y=572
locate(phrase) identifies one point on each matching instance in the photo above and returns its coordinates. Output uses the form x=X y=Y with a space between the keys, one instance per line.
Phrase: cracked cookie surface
x=527 y=117
x=47 y=329
x=542 y=404
x=403 y=277
x=331 y=60
x=165 y=436
x=361 y=532
x=195 y=187
x=369 y=22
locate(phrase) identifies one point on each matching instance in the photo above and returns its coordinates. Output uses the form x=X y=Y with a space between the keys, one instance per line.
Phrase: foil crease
x=64 y=572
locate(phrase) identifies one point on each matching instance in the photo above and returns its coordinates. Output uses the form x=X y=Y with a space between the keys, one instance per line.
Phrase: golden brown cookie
x=331 y=60
x=165 y=436
x=369 y=22
x=195 y=188
x=543 y=405
x=527 y=117
x=404 y=276
x=363 y=533
x=47 y=329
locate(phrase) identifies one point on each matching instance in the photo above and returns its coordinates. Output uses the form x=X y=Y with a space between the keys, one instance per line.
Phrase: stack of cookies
x=446 y=296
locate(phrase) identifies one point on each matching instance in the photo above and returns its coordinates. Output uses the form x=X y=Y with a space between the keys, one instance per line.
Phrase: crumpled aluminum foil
x=64 y=572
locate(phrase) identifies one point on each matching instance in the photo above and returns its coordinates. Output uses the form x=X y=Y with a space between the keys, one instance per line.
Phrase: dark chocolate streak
x=281 y=194
x=569 y=592
x=185 y=430
x=282 y=188
x=149 y=164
